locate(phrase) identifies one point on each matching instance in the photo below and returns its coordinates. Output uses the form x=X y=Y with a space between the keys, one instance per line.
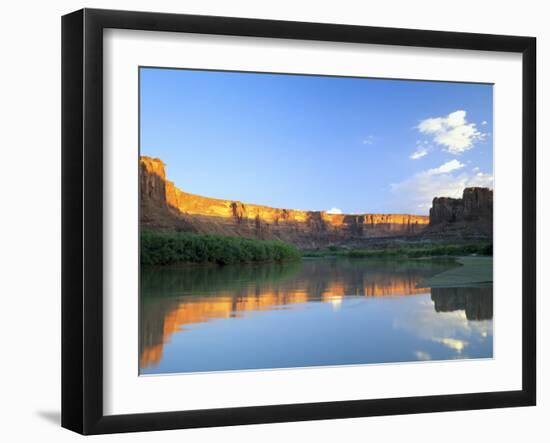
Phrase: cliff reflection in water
x=477 y=303
x=182 y=298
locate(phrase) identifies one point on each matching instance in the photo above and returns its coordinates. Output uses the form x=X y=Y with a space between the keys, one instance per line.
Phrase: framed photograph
x=268 y=221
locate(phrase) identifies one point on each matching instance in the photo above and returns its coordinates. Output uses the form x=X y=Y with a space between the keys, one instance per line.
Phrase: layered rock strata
x=164 y=206
x=471 y=215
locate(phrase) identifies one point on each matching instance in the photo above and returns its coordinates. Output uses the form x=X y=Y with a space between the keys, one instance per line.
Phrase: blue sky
x=354 y=145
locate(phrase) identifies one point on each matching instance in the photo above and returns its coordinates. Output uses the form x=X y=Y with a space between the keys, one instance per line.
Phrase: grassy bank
x=408 y=251
x=473 y=271
x=163 y=248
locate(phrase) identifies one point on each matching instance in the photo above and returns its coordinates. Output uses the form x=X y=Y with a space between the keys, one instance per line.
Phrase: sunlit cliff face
x=161 y=199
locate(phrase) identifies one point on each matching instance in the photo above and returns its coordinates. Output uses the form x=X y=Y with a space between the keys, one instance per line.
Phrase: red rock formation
x=476 y=204
x=471 y=215
x=164 y=206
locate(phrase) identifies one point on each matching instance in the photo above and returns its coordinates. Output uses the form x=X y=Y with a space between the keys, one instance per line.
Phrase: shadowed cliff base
x=165 y=207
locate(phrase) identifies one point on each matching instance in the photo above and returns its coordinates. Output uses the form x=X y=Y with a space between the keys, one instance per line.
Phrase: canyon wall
x=164 y=206
x=476 y=204
x=470 y=215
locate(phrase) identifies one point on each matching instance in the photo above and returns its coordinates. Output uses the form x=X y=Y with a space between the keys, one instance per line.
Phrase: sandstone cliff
x=470 y=215
x=164 y=206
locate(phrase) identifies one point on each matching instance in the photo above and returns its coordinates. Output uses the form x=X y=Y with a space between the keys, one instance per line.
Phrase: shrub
x=163 y=248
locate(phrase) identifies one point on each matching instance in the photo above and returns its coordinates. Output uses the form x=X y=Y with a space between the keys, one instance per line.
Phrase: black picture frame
x=82 y=220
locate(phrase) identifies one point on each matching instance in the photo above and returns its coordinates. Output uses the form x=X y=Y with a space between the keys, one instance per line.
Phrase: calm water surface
x=317 y=312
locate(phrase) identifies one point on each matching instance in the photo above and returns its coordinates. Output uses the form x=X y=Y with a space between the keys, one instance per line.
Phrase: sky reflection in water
x=314 y=313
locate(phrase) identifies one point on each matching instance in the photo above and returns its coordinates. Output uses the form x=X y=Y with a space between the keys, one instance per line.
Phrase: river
x=317 y=312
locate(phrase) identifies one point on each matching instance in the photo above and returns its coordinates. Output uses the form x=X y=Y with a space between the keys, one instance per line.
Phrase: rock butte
x=469 y=216
x=164 y=206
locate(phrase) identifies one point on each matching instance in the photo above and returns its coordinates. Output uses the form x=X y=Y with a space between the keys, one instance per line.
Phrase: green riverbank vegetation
x=164 y=248
x=407 y=251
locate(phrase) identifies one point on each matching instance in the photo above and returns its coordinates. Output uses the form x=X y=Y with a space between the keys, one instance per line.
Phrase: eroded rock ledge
x=164 y=206
x=471 y=215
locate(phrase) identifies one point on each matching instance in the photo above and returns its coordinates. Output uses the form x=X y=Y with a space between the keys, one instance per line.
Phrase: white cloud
x=482 y=180
x=369 y=140
x=445 y=168
x=452 y=131
x=415 y=194
x=423 y=147
x=334 y=211
x=453 y=343
x=419 y=153
x=421 y=355
x=450 y=329
x=484 y=122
